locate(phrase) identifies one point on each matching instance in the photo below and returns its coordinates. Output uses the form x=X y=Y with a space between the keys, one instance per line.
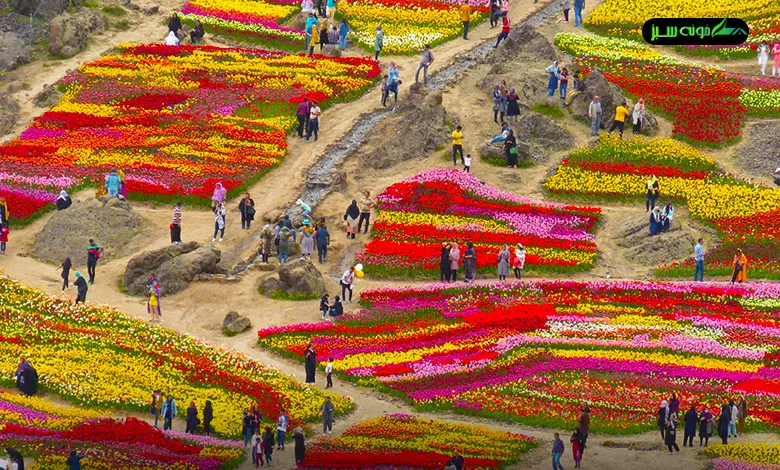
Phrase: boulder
x=111 y=222
x=68 y=33
x=495 y=152
x=234 y=324
x=542 y=133
x=174 y=266
x=299 y=278
x=48 y=97
x=524 y=40
x=9 y=113
x=14 y=51
x=43 y=8
x=331 y=50
x=652 y=250
x=151 y=10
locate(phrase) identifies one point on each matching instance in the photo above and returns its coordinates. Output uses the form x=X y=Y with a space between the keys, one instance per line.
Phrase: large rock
x=234 y=324
x=420 y=122
x=174 y=266
x=9 y=113
x=495 y=153
x=331 y=50
x=68 y=33
x=760 y=154
x=14 y=51
x=524 y=40
x=48 y=97
x=542 y=133
x=108 y=220
x=298 y=278
x=652 y=250
x=43 y=8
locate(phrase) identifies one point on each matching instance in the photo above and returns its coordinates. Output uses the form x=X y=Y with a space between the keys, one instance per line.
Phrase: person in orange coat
x=739 y=269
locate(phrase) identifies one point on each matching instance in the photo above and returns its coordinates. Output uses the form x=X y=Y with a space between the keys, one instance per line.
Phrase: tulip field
x=507 y=350
x=48 y=433
x=739 y=456
x=404 y=441
x=97 y=357
x=407 y=24
x=624 y=18
x=253 y=21
x=177 y=120
x=419 y=213
x=745 y=214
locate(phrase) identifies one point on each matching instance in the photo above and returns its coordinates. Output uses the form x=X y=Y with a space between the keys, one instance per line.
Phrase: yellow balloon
x=359 y=273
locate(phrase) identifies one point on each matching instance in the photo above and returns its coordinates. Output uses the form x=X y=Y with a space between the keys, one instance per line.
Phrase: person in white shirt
x=347 y=283
x=314 y=121
x=467 y=163
x=171 y=39
x=329 y=372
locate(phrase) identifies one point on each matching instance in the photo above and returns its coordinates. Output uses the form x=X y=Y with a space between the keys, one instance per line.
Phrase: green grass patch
x=114 y=10
x=501 y=161
x=279 y=294
x=550 y=110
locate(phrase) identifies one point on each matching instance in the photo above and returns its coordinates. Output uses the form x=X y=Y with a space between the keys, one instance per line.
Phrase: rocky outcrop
x=495 y=153
x=652 y=250
x=234 y=324
x=760 y=154
x=331 y=50
x=48 y=97
x=111 y=222
x=542 y=134
x=68 y=33
x=174 y=267
x=43 y=8
x=14 y=51
x=524 y=40
x=298 y=279
x=9 y=113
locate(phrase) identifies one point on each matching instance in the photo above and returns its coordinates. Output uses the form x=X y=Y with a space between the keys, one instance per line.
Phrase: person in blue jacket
x=168 y=412
x=113 y=183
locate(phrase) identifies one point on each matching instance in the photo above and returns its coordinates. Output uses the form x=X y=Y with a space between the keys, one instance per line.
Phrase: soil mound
x=108 y=220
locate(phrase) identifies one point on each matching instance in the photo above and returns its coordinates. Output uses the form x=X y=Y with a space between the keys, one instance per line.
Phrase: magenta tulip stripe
x=507 y=350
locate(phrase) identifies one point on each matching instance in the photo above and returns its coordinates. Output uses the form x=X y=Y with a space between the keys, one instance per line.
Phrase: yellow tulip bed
x=743 y=212
x=404 y=441
x=97 y=357
x=407 y=24
x=624 y=18
x=740 y=456
x=49 y=433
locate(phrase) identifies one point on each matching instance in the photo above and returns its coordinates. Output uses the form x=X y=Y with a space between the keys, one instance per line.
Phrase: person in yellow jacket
x=157 y=402
x=620 y=118
x=465 y=17
x=457 y=145
x=739 y=268
x=315 y=39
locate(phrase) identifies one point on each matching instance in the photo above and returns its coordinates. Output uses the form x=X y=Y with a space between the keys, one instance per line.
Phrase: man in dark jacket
x=691 y=419
x=322 y=238
x=174 y=24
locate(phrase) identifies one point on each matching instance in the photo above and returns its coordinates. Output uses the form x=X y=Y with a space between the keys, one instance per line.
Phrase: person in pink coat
x=776 y=57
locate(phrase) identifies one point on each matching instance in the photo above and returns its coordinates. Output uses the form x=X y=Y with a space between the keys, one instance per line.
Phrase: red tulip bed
x=510 y=349
x=112 y=443
x=177 y=120
x=420 y=213
x=410 y=443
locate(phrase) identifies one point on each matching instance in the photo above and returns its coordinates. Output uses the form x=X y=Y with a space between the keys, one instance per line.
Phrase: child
x=324 y=307
x=329 y=372
x=467 y=163
x=258 y=449
x=3 y=237
x=153 y=304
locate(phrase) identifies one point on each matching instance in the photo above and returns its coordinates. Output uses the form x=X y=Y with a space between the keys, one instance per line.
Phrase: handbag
x=250 y=211
x=513 y=150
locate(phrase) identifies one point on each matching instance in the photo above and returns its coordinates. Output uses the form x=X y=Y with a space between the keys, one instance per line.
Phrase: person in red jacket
x=3 y=237
x=504 y=31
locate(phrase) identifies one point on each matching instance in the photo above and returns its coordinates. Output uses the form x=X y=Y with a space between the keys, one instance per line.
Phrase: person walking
x=208 y=417
x=153 y=302
x=63 y=201
x=322 y=237
x=324 y=33
x=691 y=420
x=512 y=106
x=5 y=214
x=705 y=426
x=653 y=192
x=246 y=429
x=378 y=42
x=454 y=261
x=329 y=373
x=467 y=163
x=219 y=196
x=495 y=8
x=326 y=411
x=219 y=222
x=465 y=17
x=470 y=262
x=268 y=445
x=81 y=287
x=554 y=73
x=282 y=422
x=314 y=122
x=723 y=423
x=157 y=402
x=518 y=261
x=566 y=6
x=347 y=283
x=577 y=441
x=564 y=86
x=307 y=240
x=499 y=104
x=366 y=204
x=192 y=419
x=503 y=263
x=763 y=56
x=4 y=231
x=578 y=6
x=620 y=118
x=742 y=410
x=393 y=80
x=343 y=32
x=302 y=115
x=300 y=445
x=739 y=267
x=310 y=358
x=176 y=224
x=510 y=149
x=351 y=216
x=505 y=28
x=65 y=274
x=444 y=264
x=93 y=255
x=113 y=183
x=315 y=37
x=425 y=61
x=671 y=433
x=638 y=116
x=594 y=114
x=168 y=412
x=258 y=449
x=557 y=452
x=457 y=145
x=247 y=209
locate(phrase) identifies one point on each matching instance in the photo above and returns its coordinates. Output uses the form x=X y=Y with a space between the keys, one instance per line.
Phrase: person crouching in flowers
x=739 y=267
x=518 y=261
x=444 y=265
x=153 y=302
x=503 y=263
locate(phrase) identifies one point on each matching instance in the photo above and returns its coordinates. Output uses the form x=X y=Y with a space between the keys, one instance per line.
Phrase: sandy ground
x=199 y=309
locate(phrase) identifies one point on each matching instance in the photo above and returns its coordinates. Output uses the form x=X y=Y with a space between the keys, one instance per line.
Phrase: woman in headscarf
x=470 y=262
x=510 y=149
x=739 y=267
x=300 y=445
x=122 y=183
x=454 y=260
x=378 y=42
x=208 y=416
x=171 y=39
x=247 y=209
x=663 y=415
x=743 y=414
x=63 y=201
x=518 y=261
x=192 y=419
x=15 y=456
x=667 y=216
x=499 y=104
x=691 y=419
x=153 y=302
x=655 y=221
x=307 y=239
x=65 y=266
x=705 y=426
x=30 y=379
x=218 y=196
x=671 y=433
x=503 y=263
x=638 y=115
x=554 y=73
x=577 y=446
x=343 y=31
x=219 y=222
x=81 y=287
x=5 y=214
x=351 y=216
x=310 y=355
x=19 y=370
x=723 y=423
x=444 y=263
x=653 y=191
x=512 y=106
